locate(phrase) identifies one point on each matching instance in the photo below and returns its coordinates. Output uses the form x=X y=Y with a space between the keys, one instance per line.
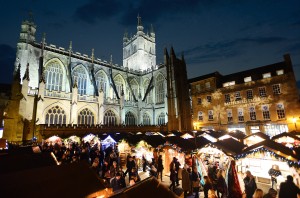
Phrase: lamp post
x=295 y=122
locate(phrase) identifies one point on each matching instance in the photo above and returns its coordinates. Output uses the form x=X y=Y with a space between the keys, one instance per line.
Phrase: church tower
x=139 y=51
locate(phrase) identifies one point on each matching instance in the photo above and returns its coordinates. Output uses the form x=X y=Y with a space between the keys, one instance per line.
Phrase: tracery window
x=101 y=81
x=79 y=76
x=110 y=118
x=159 y=89
x=55 y=115
x=161 y=119
x=149 y=95
x=130 y=118
x=86 y=117
x=134 y=87
x=119 y=83
x=54 y=76
x=146 y=119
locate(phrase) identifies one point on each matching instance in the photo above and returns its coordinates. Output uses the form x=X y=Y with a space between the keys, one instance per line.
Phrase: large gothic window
x=101 y=81
x=86 y=117
x=146 y=119
x=55 y=115
x=134 y=87
x=118 y=82
x=79 y=75
x=161 y=119
x=130 y=119
x=149 y=95
x=159 y=89
x=54 y=76
x=110 y=118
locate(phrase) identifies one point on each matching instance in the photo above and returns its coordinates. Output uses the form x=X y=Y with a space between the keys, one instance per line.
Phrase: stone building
x=57 y=86
x=261 y=99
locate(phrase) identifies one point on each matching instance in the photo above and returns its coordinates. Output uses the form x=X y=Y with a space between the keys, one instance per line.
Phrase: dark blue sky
x=225 y=36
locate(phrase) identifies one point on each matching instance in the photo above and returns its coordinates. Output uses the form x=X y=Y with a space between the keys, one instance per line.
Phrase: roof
x=230 y=146
x=285 y=134
x=275 y=147
x=147 y=188
x=70 y=180
x=260 y=134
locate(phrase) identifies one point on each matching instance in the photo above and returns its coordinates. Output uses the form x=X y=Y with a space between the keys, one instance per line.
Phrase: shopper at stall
x=186 y=181
x=153 y=168
x=129 y=165
x=160 y=167
x=145 y=163
x=195 y=177
x=114 y=169
x=258 y=193
x=288 y=188
x=172 y=178
x=221 y=185
x=250 y=184
x=271 y=194
x=117 y=183
x=177 y=165
x=207 y=186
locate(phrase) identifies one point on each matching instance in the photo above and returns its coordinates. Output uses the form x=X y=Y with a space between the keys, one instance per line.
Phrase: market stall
x=168 y=153
x=108 y=142
x=92 y=140
x=71 y=140
x=263 y=156
x=288 y=139
x=54 y=140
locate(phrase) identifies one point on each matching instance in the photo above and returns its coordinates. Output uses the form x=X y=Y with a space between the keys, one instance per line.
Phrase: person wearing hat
x=271 y=194
x=118 y=182
x=288 y=188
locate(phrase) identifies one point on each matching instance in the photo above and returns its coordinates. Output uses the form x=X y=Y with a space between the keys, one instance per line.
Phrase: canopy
x=72 y=139
x=54 y=139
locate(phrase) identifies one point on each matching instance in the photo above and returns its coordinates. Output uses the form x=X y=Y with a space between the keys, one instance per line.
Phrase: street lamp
x=295 y=122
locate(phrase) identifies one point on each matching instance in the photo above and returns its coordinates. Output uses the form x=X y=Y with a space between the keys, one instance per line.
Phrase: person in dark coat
x=144 y=161
x=288 y=188
x=118 y=182
x=195 y=177
x=221 y=185
x=207 y=186
x=160 y=167
x=177 y=166
x=271 y=194
x=250 y=184
x=129 y=165
x=172 y=178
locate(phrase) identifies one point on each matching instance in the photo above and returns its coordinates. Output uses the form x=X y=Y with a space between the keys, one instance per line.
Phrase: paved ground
x=166 y=182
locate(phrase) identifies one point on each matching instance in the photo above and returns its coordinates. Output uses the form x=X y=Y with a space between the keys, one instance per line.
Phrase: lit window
x=134 y=89
x=146 y=119
x=229 y=115
x=227 y=97
x=149 y=95
x=210 y=115
x=55 y=115
x=262 y=92
x=110 y=118
x=276 y=89
x=199 y=101
x=249 y=94
x=200 y=116
x=79 y=76
x=119 y=85
x=208 y=98
x=159 y=89
x=86 y=117
x=280 y=111
x=207 y=85
x=198 y=88
x=267 y=75
x=227 y=84
x=240 y=115
x=54 y=76
x=161 y=119
x=252 y=113
x=248 y=79
x=266 y=112
x=130 y=119
x=238 y=96
x=101 y=81
x=279 y=72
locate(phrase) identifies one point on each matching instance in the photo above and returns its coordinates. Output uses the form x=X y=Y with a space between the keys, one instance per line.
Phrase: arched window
x=118 y=82
x=54 y=76
x=130 y=119
x=134 y=86
x=110 y=118
x=79 y=75
x=55 y=115
x=159 y=89
x=149 y=95
x=101 y=81
x=161 y=119
x=86 y=117
x=146 y=119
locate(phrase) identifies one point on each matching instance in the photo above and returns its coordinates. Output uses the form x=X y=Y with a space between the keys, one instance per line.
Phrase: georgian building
x=57 y=86
x=261 y=99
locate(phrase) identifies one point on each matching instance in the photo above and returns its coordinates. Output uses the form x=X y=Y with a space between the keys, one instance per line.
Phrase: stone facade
x=55 y=86
x=261 y=99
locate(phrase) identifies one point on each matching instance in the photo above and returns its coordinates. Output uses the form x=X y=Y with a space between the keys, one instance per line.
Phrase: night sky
x=226 y=36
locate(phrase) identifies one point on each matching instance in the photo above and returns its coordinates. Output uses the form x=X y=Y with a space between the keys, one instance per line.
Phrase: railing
x=32 y=92
x=111 y=101
x=57 y=94
x=131 y=103
x=87 y=98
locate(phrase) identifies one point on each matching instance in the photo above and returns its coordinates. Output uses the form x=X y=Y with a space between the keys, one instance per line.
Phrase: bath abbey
x=61 y=88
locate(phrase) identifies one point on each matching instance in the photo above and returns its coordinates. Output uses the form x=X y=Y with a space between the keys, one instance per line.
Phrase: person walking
x=160 y=167
x=172 y=178
x=288 y=188
x=186 y=181
x=207 y=186
x=130 y=164
x=195 y=177
x=221 y=185
x=117 y=183
x=250 y=184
